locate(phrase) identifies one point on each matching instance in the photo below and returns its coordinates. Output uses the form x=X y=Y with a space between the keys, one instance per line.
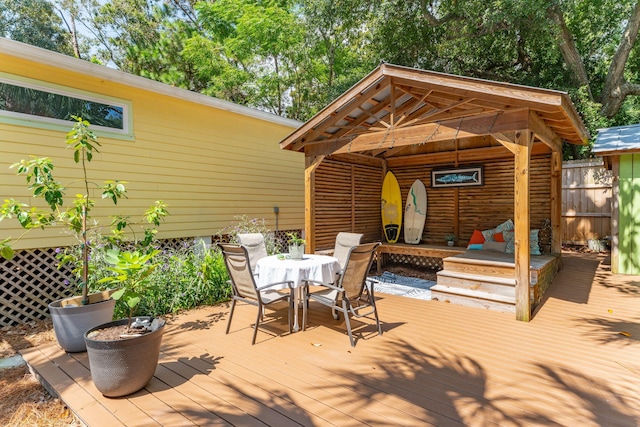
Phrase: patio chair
x=344 y=242
x=254 y=242
x=352 y=293
x=244 y=286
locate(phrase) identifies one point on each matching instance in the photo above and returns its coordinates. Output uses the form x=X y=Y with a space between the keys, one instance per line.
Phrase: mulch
x=23 y=400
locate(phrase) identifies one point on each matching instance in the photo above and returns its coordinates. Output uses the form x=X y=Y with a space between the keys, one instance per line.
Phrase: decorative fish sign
x=458 y=178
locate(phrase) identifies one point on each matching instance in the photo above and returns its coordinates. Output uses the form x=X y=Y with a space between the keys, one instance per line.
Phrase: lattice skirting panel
x=31 y=280
x=416 y=261
x=28 y=283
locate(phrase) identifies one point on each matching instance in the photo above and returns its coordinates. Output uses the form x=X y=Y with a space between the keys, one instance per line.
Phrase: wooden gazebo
x=413 y=121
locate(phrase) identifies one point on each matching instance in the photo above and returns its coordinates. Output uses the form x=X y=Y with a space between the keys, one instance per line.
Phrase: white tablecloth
x=272 y=269
x=316 y=267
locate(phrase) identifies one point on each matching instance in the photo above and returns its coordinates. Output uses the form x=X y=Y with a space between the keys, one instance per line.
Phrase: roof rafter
x=399 y=105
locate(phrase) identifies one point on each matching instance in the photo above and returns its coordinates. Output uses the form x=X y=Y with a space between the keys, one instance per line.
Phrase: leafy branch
x=40 y=181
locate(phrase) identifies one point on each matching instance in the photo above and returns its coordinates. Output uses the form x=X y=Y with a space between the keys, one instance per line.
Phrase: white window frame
x=24 y=119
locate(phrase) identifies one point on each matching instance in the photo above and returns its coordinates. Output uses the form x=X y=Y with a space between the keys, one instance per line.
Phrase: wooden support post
x=521 y=219
x=556 y=202
x=310 y=164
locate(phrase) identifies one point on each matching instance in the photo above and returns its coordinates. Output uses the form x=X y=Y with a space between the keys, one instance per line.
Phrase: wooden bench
x=426 y=251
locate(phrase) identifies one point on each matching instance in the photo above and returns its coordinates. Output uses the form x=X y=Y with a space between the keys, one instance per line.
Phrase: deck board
x=435 y=364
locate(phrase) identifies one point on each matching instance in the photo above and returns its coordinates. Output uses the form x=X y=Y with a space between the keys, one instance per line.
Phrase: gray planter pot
x=122 y=367
x=70 y=323
x=597 y=245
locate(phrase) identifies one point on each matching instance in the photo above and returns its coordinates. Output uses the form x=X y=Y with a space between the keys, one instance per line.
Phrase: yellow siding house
x=209 y=160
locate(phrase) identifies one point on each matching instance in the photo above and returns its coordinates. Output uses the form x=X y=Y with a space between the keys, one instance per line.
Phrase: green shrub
x=187 y=278
x=184 y=278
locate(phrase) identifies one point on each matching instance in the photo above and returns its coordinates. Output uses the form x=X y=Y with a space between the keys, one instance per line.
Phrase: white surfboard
x=415 y=213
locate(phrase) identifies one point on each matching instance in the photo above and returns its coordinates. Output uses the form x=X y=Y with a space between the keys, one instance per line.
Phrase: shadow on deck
x=576 y=363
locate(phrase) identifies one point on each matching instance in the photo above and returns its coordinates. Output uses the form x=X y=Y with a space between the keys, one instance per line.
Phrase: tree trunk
x=616 y=89
x=568 y=48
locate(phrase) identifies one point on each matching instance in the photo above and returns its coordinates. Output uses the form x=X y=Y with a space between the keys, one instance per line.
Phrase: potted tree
x=123 y=354
x=71 y=316
x=296 y=246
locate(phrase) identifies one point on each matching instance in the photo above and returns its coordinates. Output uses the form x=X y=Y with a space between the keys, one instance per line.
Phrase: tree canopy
x=292 y=57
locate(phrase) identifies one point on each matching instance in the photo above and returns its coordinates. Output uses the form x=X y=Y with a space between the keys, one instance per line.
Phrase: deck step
x=504 y=281
x=482 y=261
x=474 y=302
x=473 y=298
x=493 y=269
x=493 y=285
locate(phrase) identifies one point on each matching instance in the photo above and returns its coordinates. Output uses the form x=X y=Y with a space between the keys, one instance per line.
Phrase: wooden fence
x=586 y=201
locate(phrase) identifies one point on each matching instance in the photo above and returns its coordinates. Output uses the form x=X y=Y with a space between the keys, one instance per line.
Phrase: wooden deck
x=436 y=364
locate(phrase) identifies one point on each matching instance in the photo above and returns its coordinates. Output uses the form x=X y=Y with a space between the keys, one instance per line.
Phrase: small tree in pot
x=71 y=316
x=123 y=354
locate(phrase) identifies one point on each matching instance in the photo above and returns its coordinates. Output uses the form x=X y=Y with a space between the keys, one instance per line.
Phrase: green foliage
x=40 y=181
x=132 y=270
x=34 y=22
x=186 y=278
x=183 y=278
x=261 y=37
x=293 y=57
x=294 y=239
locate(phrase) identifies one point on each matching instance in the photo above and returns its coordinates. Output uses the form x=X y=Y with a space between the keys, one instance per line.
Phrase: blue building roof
x=617 y=140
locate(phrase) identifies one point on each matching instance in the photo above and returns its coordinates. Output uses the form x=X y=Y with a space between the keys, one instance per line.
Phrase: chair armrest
x=326 y=285
x=289 y=284
x=328 y=252
x=369 y=285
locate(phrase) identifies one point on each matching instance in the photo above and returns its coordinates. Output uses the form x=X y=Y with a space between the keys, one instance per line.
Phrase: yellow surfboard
x=391 y=206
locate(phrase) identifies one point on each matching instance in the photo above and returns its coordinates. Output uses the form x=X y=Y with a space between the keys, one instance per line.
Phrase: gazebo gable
x=394 y=107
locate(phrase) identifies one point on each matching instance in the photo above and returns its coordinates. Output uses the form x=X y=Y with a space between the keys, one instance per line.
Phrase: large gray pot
x=71 y=322
x=122 y=367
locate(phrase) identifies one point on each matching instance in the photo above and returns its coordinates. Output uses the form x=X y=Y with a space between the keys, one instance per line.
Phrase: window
x=27 y=102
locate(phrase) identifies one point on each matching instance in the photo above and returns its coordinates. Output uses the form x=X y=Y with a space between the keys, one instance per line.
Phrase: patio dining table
x=277 y=268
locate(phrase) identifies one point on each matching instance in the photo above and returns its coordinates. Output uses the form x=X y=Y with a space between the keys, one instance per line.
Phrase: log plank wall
x=339 y=194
